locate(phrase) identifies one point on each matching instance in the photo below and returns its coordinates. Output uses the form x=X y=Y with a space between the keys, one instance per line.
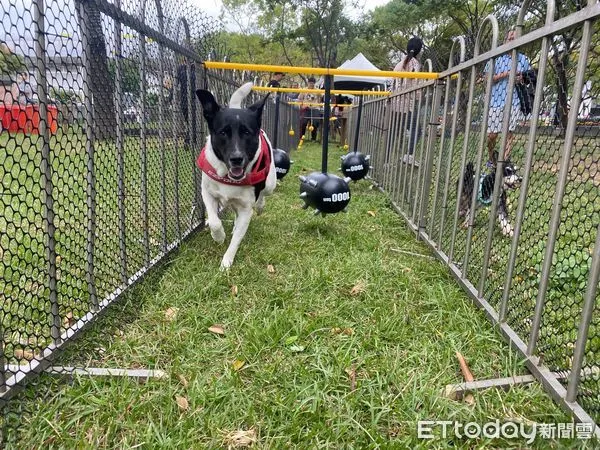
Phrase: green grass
x=323 y=367
x=24 y=287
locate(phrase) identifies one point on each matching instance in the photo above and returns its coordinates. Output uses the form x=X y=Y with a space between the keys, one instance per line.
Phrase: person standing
x=308 y=112
x=276 y=80
x=498 y=101
x=403 y=107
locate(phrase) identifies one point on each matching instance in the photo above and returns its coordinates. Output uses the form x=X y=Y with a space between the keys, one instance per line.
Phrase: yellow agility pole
x=318 y=91
x=345 y=105
x=319 y=70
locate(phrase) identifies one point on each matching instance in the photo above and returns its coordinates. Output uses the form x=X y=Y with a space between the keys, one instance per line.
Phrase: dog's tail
x=238 y=96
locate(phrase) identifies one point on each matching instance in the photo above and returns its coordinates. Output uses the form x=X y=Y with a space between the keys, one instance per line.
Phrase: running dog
x=485 y=190
x=237 y=165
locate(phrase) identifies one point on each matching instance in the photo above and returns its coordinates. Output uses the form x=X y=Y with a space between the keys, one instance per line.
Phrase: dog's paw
x=226 y=263
x=259 y=207
x=218 y=234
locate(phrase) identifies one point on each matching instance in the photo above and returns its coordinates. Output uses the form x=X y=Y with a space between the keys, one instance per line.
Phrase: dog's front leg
x=505 y=225
x=240 y=227
x=212 y=217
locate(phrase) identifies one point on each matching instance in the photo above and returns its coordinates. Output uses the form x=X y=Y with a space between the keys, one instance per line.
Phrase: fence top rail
x=320 y=91
x=318 y=70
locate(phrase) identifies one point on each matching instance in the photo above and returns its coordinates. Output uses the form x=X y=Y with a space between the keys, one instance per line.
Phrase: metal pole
x=46 y=165
x=143 y=152
x=326 y=101
x=439 y=165
x=191 y=127
x=562 y=182
x=508 y=107
x=120 y=149
x=161 y=145
x=478 y=162
x=420 y=176
x=466 y=135
x=90 y=152
x=529 y=154
x=175 y=130
x=358 y=120
x=276 y=121
x=584 y=325
x=437 y=100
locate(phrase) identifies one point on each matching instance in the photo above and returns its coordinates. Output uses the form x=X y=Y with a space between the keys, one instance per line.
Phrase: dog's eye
x=245 y=131
x=223 y=132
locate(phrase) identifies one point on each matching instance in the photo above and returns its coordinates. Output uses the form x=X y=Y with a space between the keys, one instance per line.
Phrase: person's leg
x=515 y=117
x=491 y=144
x=413 y=121
x=303 y=125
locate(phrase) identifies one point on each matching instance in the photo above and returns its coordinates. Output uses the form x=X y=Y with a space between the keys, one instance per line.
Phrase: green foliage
x=11 y=63
x=130 y=74
x=64 y=96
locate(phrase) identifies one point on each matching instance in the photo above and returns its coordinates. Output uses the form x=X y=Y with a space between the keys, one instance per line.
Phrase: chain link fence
x=99 y=137
x=495 y=165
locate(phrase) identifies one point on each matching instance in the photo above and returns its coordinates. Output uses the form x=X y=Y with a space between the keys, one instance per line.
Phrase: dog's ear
x=259 y=105
x=210 y=107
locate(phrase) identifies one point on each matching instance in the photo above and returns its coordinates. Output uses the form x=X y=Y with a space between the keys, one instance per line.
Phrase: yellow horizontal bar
x=319 y=91
x=345 y=105
x=319 y=70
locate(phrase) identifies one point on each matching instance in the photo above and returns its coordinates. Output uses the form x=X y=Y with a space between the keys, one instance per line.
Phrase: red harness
x=259 y=171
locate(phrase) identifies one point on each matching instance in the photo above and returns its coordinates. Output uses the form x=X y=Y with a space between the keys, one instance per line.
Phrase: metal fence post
x=531 y=144
x=562 y=181
x=431 y=138
x=143 y=152
x=191 y=136
x=120 y=149
x=508 y=107
x=46 y=166
x=161 y=142
x=482 y=140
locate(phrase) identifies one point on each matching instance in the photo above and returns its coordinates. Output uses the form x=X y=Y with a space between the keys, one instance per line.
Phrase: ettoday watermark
x=429 y=429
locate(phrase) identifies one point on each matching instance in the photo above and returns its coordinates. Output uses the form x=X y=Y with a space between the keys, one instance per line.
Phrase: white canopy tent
x=353 y=82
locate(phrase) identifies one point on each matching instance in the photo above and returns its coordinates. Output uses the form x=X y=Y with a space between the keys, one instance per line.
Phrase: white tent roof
x=358 y=82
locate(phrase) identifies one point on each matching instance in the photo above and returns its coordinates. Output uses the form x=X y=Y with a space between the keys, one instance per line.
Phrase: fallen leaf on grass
x=68 y=320
x=346 y=331
x=238 y=365
x=183 y=380
x=217 y=329
x=359 y=288
x=58 y=259
x=352 y=376
x=240 y=438
x=234 y=290
x=171 y=313
x=24 y=354
x=297 y=348
x=371 y=213
x=182 y=403
x=270 y=268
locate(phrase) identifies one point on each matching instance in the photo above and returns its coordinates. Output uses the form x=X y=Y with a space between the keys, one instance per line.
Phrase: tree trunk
x=101 y=86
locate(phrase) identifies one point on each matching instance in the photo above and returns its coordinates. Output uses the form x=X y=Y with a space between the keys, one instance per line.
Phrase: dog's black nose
x=236 y=161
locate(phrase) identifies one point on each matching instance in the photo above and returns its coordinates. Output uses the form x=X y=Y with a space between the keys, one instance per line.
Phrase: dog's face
x=511 y=179
x=234 y=133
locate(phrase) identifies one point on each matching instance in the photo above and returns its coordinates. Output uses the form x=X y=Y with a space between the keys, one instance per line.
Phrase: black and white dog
x=237 y=165
x=485 y=190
